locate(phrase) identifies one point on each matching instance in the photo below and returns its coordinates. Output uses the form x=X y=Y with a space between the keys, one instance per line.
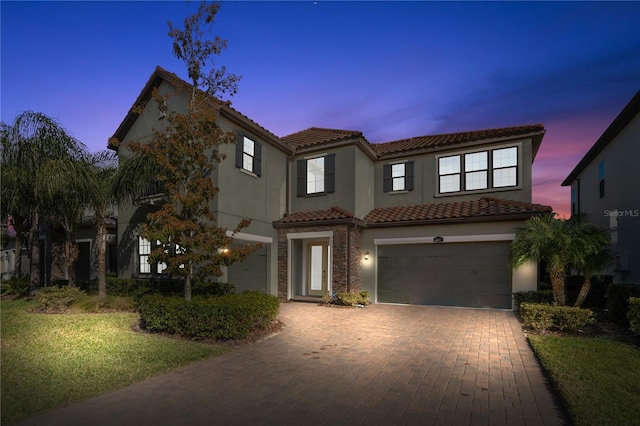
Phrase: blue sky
x=390 y=69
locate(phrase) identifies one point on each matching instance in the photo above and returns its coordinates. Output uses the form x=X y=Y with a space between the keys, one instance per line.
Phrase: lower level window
x=145 y=247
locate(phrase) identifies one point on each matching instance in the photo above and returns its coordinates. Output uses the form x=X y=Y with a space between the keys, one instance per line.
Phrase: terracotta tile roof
x=317 y=136
x=432 y=141
x=484 y=207
x=334 y=213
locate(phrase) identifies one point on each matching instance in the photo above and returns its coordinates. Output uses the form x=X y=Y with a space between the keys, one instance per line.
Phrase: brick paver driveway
x=380 y=365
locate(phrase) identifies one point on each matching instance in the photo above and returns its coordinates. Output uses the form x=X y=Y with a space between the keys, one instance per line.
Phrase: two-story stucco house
x=605 y=184
x=426 y=220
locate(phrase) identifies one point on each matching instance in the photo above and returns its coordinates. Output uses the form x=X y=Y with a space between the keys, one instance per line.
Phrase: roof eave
x=626 y=115
x=465 y=219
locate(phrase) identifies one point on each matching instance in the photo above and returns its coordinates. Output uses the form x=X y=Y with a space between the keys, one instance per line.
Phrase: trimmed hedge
x=633 y=315
x=167 y=287
x=352 y=299
x=56 y=300
x=547 y=317
x=227 y=317
x=540 y=296
x=618 y=301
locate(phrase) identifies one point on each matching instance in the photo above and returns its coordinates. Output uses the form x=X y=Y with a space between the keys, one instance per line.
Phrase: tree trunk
x=17 y=264
x=584 y=290
x=187 y=284
x=101 y=241
x=71 y=253
x=557 y=283
x=34 y=268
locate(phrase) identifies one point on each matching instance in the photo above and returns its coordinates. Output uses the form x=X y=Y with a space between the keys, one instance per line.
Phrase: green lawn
x=50 y=361
x=598 y=378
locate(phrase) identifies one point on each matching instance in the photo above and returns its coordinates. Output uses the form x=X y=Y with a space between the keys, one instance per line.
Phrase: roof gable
x=620 y=122
x=157 y=77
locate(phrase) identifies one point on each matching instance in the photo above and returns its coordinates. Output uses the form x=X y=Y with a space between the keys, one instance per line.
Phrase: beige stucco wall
x=426 y=178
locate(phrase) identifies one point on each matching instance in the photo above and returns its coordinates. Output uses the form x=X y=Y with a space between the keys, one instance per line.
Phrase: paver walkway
x=383 y=364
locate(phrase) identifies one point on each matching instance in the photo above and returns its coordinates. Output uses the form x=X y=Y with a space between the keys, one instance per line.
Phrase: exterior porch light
x=224 y=251
x=438 y=239
x=366 y=255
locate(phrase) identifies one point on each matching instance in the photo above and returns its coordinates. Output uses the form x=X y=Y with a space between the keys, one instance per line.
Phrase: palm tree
x=559 y=243
x=37 y=152
x=101 y=169
x=594 y=261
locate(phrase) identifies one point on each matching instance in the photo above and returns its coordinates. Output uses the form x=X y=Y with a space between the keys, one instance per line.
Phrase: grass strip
x=597 y=378
x=50 y=361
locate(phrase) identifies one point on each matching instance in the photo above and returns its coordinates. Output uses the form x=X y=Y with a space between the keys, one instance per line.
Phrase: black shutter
x=386 y=178
x=302 y=178
x=408 y=176
x=239 y=149
x=257 y=159
x=330 y=173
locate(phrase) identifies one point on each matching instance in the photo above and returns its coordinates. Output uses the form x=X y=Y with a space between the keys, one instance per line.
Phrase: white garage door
x=454 y=274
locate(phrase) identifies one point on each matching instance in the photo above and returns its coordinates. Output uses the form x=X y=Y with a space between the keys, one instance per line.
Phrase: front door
x=317 y=270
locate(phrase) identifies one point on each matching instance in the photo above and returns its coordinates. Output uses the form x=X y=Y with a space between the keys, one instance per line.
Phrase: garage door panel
x=460 y=274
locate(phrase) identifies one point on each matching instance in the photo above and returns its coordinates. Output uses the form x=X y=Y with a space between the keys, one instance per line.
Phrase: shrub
x=55 y=300
x=618 y=301
x=547 y=317
x=226 y=317
x=18 y=286
x=540 y=296
x=347 y=299
x=363 y=297
x=350 y=299
x=633 y=315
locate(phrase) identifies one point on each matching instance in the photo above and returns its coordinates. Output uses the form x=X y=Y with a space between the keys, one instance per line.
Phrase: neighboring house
x=605 y=185
x=426 y=220
x=53 y=266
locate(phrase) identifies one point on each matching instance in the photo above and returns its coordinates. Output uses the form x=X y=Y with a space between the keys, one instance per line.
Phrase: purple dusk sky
x=390 y=69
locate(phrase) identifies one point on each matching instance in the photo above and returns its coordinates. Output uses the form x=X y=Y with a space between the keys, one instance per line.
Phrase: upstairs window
x=475 y=171
x=601 y=178
x=249 y=155
x=497 y=168
x=505 y=167
x=316 y=175
x=449 y=173
x=398 y=177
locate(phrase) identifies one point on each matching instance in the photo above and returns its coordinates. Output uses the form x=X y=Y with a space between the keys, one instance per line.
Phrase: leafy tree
x=184 y=154
x=38 y=158
x=559 y=243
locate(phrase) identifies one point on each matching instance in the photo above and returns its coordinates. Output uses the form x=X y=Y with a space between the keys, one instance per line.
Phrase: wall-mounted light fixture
x=366 y=255
x=224 y=251
x=438 y=239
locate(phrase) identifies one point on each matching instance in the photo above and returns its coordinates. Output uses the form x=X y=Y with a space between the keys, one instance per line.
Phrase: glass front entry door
x=317 y=268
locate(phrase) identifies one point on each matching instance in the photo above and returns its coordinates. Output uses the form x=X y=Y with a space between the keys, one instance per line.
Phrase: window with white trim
x=505 y=167
x=496 y=168
x=145 y=247
x=449 y=173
